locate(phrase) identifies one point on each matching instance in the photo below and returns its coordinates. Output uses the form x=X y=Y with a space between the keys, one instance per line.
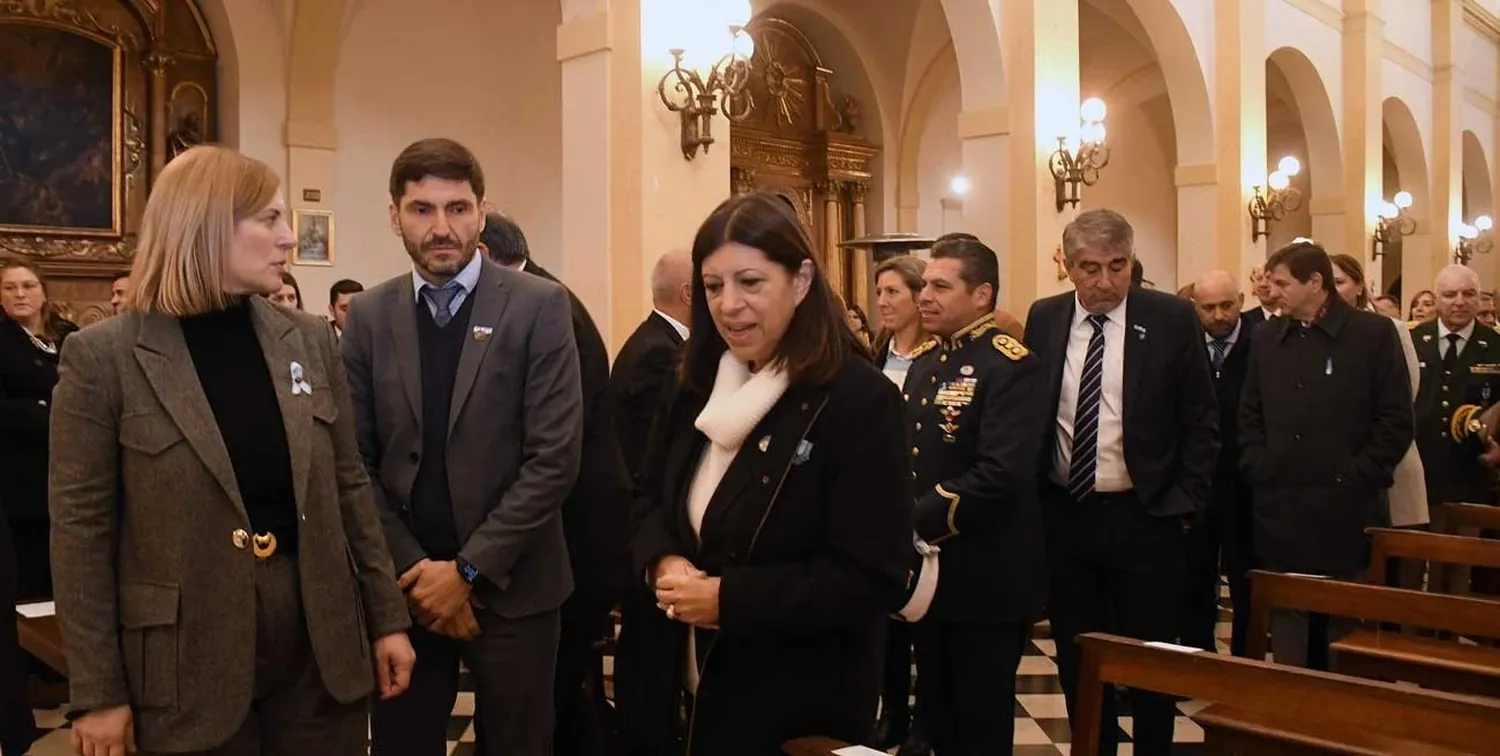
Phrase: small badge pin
x=482 y=332
x=1427 y=337
x=804 y=451
x=1140 y=331
x=299 y=385
x=966 y=370
x=765 y=443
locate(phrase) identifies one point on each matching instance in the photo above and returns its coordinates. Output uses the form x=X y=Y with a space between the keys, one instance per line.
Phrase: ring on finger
x=671 y=611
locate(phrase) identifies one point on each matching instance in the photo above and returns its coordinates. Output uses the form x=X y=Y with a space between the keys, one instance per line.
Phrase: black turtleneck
x=232 y=369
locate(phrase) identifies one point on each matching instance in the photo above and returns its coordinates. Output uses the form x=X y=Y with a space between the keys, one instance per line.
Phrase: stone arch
x=1188 y=91
x=976 y=44
x=939 y=78
x=1408 y=154
x=1479 y=198
x=1324 y=155
x=317 y=30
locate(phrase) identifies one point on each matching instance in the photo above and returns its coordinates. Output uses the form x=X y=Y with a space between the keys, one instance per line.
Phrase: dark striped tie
x=1082 y=469
x=1220 y=347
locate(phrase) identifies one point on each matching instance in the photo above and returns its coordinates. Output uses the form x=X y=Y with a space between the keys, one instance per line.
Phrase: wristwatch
x=467 y=571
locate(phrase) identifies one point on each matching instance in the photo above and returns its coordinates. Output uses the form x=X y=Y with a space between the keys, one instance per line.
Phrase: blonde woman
x=223 y=585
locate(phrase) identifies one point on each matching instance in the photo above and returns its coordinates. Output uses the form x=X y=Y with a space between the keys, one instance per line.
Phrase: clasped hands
x=686 y=593
x=441 y=599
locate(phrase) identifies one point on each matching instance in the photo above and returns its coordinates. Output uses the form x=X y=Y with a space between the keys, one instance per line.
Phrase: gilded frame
x=116 y=147
x=300 y=221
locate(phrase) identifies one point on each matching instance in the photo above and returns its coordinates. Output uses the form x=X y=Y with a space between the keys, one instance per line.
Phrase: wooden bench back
x=1319 y=700
x=1434 y=611
x=1465 y=519
x=1387 y=544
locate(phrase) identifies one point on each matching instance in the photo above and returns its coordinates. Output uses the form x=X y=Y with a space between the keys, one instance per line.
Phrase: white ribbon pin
x=299 y=386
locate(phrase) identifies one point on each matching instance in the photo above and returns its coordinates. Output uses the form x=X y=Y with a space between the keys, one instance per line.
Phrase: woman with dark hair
x=289 y=295
x=854 y=315
x=772 y=517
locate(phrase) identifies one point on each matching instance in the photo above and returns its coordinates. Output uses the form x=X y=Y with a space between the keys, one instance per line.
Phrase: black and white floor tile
x=1041 y=715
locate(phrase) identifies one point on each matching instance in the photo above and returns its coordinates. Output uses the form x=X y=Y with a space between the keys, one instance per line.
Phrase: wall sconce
x=1391 y=224
x=695 y=97
x=1469 y=241
x=959 y=186
x=1275 y=199
x=1077 y=160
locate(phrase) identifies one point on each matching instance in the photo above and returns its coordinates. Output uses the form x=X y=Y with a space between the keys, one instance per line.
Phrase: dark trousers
x=33 y=549
x=292 y=713
x=895 y=689
x=967 y=684
x=512 y=660
x=17 y=722
x=1115 y=569
x=1211 y=546
x=580 y=729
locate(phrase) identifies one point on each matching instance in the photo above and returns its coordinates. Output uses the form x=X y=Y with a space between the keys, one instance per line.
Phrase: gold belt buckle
x=263 y=545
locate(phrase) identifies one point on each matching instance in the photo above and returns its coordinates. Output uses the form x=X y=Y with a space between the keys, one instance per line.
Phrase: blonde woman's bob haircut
x=187 y=231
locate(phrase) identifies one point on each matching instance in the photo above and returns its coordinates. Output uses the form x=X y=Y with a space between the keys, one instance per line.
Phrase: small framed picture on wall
x=314 y=232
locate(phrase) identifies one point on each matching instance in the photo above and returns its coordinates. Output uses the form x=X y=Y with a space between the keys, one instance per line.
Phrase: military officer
x=1460 y=362
x=976 y=411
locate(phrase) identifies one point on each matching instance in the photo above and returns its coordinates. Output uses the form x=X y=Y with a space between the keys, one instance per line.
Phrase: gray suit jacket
x=155 y=596
x=515 y=431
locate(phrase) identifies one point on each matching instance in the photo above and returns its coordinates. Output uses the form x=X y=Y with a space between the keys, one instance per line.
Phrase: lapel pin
x=299 y=386
x=765 y=443
x=804 y=451
x=1140 y=331
x=482 y=332
x=1427 y=337
x=966 y=370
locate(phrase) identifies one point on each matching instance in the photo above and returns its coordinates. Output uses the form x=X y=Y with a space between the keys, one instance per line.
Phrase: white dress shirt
x=681 y=329
x=1229 y=341
x=1110 y=473
x=1464 y=334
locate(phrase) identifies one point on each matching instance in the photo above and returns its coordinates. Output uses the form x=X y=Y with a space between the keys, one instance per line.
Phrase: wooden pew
x=1455 y=518
x=41 y=637
x=1387 y=654
x=1303 y=710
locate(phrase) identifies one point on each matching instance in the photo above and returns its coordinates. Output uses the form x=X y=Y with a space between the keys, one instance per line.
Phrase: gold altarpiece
x=108 y=91
x=801 y=141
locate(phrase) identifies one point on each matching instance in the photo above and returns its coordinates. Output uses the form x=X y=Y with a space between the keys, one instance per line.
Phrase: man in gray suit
x=467 y=402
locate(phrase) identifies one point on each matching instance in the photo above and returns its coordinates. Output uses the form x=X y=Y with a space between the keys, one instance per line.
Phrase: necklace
x=41 y=343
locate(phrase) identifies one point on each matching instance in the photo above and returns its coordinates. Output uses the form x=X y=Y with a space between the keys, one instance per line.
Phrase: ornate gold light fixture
x=696 y=97
x=1391 y=224
x=1275 y=199
x=1078 y=159
x=1473 y=239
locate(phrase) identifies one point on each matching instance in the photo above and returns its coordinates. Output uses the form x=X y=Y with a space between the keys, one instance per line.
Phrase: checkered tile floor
x=1041 y=716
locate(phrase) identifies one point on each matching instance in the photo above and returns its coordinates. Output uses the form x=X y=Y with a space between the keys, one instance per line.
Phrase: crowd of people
x=277 y=533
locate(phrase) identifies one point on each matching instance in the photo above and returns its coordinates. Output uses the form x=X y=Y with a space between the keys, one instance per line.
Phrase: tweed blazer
x=155 y=593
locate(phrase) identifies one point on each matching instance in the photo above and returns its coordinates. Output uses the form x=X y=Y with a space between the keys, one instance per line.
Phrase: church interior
x=1224 y=130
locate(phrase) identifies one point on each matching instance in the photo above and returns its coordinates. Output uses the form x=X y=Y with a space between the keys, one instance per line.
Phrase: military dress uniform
x=1453 y=393
x=976 y=411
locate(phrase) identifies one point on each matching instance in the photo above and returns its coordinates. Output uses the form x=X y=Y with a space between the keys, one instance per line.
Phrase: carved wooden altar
x=110 y=91
x=801 y=140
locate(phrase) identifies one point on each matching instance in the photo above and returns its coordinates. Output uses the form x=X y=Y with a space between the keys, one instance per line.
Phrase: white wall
x=479 y=72
x=939 y=159
x=1290 y=26
x=1408 y=24
x=1139 y=184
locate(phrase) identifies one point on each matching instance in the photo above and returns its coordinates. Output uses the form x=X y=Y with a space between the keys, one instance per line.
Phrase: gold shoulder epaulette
x=923 y=348
x=1009 y=347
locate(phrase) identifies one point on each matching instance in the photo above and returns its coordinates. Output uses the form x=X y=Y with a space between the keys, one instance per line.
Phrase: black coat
x=27 y=375
x=643 y=373
x=1325 y=416
x=1229 y=505
x=1453 y=472
x=976 y=409
x=812 y=549
x=594 y=514
x=1170 y=413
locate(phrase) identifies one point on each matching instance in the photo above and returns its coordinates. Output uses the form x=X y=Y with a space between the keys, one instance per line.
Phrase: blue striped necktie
x=1084 y=464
